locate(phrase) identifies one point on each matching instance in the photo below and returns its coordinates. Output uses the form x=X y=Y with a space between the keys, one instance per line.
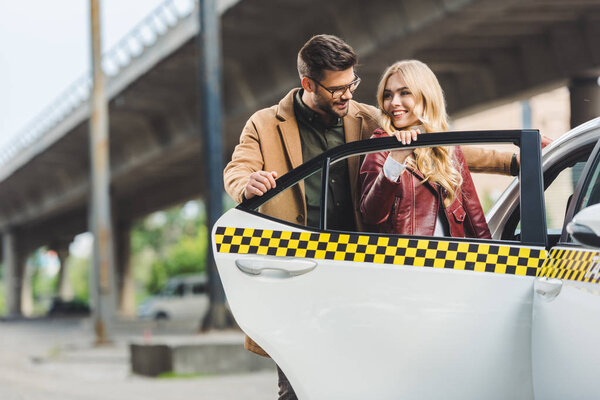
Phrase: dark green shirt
x=317 y=137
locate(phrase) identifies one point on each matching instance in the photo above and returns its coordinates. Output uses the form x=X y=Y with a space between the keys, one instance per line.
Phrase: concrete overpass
x=483 y=51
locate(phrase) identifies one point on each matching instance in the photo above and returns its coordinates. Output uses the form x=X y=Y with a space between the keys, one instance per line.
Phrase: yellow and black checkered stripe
x=382 y=250
x=573 y=265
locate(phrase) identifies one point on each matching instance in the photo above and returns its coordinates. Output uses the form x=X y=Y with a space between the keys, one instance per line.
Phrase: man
x=306 y=122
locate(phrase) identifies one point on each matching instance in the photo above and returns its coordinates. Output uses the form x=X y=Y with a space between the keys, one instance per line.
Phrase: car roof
x=576 y=132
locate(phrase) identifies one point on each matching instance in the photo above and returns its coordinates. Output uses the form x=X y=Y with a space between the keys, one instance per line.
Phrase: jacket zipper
x=393 y=213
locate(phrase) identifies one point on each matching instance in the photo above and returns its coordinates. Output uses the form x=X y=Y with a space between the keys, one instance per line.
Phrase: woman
x=426 y=191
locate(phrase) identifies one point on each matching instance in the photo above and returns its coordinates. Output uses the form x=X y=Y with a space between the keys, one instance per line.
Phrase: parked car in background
x=183 y=297
x=358 y=314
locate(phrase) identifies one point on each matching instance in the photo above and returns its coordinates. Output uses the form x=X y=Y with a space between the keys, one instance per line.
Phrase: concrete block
x=150 y=359
x=196 y=355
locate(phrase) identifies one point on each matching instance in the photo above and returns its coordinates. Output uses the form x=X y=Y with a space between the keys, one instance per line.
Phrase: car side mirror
x=585 y=226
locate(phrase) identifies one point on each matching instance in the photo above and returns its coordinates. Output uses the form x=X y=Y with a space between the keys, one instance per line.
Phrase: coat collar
x=353 y=123
x=288 y=129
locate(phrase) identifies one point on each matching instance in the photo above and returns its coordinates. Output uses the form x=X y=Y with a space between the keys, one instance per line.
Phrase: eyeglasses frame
x=356 y=82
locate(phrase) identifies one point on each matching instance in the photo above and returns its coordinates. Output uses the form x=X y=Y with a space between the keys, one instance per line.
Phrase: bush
x=188 y=255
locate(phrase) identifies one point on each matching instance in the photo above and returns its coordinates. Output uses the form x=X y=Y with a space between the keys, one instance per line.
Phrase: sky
x=45 y=46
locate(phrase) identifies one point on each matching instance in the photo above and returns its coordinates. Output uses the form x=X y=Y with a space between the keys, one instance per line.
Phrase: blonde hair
x=435 y=163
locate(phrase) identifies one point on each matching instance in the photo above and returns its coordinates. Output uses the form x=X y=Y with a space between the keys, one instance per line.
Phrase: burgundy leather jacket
x=410 y=207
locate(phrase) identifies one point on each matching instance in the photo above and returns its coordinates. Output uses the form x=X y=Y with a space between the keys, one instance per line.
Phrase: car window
x=558 y=195
x=199 y=288
x=491 y=186
x=344 y=212
x=179 y=290
x=560 y=180
x=592 y=191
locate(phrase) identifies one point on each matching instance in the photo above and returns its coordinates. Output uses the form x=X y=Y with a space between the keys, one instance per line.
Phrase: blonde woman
x=426 y=191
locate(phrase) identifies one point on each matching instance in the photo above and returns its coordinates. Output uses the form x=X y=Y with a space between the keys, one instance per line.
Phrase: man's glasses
x=340 y=90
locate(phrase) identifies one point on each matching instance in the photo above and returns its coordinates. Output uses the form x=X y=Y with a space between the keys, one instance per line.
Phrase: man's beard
x=327 y=106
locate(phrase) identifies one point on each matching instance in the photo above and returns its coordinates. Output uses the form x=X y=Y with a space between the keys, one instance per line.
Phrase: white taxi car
x=363 y=315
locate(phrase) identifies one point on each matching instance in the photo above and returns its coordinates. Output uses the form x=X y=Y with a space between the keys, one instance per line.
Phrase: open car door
x=356 y=315
x=566 y=319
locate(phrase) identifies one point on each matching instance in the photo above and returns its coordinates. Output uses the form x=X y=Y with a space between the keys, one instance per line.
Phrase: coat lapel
x=290 y=136
x=352 y=133
x=288 y=129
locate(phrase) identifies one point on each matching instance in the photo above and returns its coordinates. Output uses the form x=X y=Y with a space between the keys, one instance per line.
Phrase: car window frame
x=531 y=187
x=581 y=154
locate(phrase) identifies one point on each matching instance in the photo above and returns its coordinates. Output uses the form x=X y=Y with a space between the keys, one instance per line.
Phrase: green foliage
x=487 y=201
x=43 y=284
x=2 y=296
x=168 y=243
x=180 y=375
x=2 y=299
x=78 y=273
x=188 y=255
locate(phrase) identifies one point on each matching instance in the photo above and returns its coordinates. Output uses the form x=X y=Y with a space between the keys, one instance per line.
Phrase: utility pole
x=211 y=126
x=103 y=304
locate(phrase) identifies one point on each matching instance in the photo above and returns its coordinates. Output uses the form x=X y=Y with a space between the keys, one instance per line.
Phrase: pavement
x=56 y=359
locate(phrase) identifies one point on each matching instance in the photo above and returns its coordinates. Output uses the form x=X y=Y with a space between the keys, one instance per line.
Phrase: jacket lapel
x=288 y=129
x=290 y=136
x=352 y=133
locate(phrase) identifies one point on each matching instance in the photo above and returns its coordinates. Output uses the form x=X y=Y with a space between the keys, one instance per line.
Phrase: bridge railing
x=143 y=35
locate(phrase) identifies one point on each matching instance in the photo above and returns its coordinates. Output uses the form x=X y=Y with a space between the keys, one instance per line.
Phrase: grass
x=176 y=375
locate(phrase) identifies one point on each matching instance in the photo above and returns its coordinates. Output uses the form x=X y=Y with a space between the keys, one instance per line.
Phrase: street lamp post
x=103 y=305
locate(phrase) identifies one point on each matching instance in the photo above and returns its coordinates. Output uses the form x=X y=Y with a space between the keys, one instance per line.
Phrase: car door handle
x=279 y=267
x=547 y=288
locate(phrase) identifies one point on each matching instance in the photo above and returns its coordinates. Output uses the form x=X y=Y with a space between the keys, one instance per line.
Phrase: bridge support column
x=27 y=286
x=63 y=286
x=125 y=283
x=13 y=274
x=585 y=105
x=585 y=100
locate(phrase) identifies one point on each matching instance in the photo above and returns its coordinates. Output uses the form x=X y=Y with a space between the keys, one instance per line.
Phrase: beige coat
x=270 y=141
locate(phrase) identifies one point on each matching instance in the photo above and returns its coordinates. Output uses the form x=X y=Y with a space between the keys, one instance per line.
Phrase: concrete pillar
x=585 y=105
x=13 y=274
x=585 y=100
x=63 y=286
x=28 y=268
x=124 y=278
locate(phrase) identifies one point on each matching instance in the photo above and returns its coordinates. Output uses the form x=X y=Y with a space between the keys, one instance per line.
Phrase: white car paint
x=356 y=330
x=420 y=316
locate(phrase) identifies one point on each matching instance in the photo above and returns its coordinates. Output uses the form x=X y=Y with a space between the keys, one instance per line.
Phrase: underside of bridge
x=484 y=52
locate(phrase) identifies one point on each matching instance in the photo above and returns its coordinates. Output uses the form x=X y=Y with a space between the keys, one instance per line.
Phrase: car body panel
x=418 y=314
x=344 y=325
x=565 y=328
x=566 y=324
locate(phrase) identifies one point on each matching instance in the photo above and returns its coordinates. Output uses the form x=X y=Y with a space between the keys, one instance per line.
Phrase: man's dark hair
x=325 y=52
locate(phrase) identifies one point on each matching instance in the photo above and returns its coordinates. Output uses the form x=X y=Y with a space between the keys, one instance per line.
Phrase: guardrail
x=143 y=35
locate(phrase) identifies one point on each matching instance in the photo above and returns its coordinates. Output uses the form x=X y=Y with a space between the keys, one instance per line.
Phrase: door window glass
x=419 y=197
x=560 y=180
x=558 y=195
x=490 y=186
x=592 y=191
